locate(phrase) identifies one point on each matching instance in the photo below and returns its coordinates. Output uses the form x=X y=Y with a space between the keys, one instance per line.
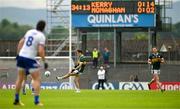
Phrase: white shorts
x=155 y=72
x=76 y=71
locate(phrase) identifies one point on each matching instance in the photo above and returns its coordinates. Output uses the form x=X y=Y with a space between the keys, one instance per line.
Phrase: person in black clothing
x=155 y=60
x=136 y=78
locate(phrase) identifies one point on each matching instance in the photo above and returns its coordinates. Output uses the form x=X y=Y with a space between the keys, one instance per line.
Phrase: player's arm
x=41 y=50
x=20 y=45
x=149 y=61
x=79 y=65
x=162 y=60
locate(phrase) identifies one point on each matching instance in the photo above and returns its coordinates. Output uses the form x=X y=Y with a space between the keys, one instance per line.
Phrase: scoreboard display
x=124 y=13
x=113 y=7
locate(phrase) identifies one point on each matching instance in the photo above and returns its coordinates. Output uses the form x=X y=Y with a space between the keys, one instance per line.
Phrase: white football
x=47 y=73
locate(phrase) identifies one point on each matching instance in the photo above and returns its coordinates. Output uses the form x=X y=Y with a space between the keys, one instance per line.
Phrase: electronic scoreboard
x=124 y=13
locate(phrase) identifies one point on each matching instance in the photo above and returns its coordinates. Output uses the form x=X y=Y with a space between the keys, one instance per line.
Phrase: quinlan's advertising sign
x=113 y=20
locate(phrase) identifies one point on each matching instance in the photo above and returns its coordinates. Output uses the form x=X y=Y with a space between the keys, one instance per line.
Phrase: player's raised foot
x=39 y=104
x=58 y=78
x=18 y=103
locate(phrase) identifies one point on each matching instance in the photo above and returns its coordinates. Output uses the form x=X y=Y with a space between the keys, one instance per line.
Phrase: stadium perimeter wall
x=122 y=73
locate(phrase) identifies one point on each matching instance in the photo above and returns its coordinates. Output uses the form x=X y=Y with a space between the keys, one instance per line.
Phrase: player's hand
x=46 y=65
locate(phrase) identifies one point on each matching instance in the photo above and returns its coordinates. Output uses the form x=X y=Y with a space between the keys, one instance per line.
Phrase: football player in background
x=76 y=71
x=155 y=60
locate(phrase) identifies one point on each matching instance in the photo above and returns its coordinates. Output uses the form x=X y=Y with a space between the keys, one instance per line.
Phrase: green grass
x=94 y=99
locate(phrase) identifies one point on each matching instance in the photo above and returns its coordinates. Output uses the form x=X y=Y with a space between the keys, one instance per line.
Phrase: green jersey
x=82 y=59
x=156 y=61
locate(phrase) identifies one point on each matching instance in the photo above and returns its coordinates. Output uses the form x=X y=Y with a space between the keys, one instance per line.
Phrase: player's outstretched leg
x=65 y=76
x=18 y=88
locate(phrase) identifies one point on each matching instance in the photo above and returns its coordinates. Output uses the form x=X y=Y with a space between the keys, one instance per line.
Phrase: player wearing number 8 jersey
x=33 y=38
x=31 y=45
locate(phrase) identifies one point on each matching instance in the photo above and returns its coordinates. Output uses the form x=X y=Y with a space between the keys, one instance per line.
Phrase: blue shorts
x=26 y=64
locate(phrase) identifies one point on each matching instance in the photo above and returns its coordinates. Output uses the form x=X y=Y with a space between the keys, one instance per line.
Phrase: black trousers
x=95 y=62
x=101 y=83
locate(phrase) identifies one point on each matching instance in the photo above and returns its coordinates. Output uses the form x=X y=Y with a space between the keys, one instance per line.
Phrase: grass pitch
x=95 y=99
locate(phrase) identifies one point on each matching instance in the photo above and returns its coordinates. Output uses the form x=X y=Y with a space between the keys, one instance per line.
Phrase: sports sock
x=17 y=97
x=36 y=99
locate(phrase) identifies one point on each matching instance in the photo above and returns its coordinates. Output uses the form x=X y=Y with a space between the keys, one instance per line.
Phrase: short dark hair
x=79 y=51
x=41 y=25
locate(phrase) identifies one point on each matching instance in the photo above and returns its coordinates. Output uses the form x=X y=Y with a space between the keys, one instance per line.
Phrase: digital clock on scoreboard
x=113 y=7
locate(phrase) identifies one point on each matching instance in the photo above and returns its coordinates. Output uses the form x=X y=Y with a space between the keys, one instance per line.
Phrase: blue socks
x=36 y=99
x=17 y=97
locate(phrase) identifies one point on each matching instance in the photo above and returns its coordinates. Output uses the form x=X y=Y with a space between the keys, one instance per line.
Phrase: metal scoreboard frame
x=140 y=13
